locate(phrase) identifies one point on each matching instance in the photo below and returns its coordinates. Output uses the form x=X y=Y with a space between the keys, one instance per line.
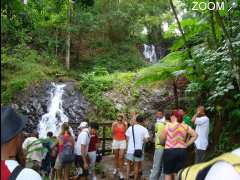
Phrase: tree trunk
x=181 y=29
x=234 y=60
x=217 y=129
x=56 y=42
x=213 y=29
x=175 y=93
x=68 y=51
x=68 y=40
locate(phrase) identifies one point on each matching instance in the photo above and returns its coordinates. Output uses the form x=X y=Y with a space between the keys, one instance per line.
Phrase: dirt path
x=107 y=165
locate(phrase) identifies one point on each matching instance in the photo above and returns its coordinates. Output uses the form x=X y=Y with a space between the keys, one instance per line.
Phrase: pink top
x=176 y=135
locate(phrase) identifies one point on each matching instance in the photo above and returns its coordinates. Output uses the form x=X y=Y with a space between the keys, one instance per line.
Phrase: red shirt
x=119 y=130
x=93 y=143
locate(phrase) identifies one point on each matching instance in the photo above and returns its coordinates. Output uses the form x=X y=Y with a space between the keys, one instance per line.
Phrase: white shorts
x=119 y=144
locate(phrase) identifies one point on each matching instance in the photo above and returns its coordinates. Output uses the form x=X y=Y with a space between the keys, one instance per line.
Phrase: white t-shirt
x=33 y=145
x=202 y=129
x=83 y=138
x=25 y=174
x=161 y=120
x=140 y=133
x=223 y=170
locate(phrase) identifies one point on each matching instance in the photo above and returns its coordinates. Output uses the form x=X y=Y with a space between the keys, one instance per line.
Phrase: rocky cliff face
x=34 y=101
x=150 y=99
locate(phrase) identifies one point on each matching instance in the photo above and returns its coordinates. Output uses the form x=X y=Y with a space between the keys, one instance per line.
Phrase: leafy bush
x=92 y=85
x=22 y=66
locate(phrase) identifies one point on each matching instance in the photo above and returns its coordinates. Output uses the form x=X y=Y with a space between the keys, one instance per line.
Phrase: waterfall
x=52 y=120
x=150 y=53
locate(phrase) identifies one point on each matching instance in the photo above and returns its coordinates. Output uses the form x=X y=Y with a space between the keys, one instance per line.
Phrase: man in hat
x=12 y=125
x=81 y=151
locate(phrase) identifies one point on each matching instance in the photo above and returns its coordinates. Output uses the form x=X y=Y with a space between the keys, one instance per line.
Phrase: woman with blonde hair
x=65 y=152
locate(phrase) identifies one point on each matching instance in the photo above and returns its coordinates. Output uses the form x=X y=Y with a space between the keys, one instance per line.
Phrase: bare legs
x=53 y=172
x=129 y=168
x=137 y=169
x=59 y=174
x=65 y=171
x=116 y=155
x=121 y=160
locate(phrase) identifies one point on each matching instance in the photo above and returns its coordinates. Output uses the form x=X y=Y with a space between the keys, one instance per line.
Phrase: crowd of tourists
x=28 y=157
x=34 y=158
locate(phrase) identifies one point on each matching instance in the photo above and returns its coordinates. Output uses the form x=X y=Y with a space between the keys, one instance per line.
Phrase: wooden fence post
x=103 y=141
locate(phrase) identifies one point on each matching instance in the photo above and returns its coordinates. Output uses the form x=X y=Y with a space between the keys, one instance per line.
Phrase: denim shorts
x=131 y=157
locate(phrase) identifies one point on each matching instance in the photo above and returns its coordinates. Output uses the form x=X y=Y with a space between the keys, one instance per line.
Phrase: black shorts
x=174 y=160
x=79 y=165
x=52 y=162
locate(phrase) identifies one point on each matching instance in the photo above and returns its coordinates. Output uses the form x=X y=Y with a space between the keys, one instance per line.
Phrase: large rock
x=34 y=102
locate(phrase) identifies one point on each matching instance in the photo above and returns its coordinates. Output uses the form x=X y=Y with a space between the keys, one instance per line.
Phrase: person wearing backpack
x=12 y=156
x=136 y=135
x=46 y=162
x=65 y=153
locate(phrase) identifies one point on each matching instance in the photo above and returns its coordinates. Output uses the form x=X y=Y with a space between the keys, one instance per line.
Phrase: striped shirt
x=176 y=135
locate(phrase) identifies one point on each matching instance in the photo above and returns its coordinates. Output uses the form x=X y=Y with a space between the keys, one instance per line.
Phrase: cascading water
x=150 y=53
x=52 y=120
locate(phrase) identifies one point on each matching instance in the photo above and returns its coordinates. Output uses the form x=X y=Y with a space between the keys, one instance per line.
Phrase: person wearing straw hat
x=12 y=157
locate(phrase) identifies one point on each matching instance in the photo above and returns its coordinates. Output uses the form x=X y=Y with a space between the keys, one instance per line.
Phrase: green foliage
x=225 y=143
x=92 y=85
x=163 y=70
x=216 y=63
x=105 y=40
x=119 y=60
x=22 y=66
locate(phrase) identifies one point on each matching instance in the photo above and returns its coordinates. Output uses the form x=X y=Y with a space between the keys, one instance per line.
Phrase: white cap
x=83 y=125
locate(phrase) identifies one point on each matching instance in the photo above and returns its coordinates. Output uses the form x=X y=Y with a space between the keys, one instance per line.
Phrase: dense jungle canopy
x=99 y=44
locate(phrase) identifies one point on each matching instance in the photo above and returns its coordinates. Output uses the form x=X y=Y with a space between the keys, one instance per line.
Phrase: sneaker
x=115 y=172
x=121 y=177
x=131 y=176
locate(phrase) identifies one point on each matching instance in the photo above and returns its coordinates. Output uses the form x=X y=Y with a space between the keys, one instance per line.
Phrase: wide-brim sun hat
x=12 y=124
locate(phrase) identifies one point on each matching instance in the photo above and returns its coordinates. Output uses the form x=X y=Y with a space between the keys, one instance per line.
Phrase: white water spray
x=53 y=119
x=150 y=53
